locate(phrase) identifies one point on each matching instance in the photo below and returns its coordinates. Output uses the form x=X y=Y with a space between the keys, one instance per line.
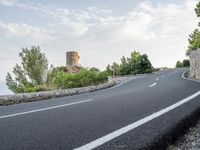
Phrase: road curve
x=130 y=116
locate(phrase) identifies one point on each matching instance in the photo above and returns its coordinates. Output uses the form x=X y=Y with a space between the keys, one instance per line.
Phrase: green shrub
x=62 y=80
x=37 y=88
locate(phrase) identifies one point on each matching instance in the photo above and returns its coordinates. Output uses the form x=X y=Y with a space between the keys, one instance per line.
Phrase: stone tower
x=72 y=58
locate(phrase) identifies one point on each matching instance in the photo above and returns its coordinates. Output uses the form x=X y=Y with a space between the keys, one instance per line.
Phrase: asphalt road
x=130 y=116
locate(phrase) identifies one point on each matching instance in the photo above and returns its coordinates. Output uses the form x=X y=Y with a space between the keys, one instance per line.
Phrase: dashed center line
x=152 y=85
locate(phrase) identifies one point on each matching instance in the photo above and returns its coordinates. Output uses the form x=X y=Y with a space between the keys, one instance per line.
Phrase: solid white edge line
x=152 y=85
x=43 y=109
x=117 y=133
x=120 y=84
x=124 y=82
x=188 y=78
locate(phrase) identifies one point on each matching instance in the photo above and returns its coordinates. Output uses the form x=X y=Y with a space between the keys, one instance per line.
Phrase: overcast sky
x=102 y=31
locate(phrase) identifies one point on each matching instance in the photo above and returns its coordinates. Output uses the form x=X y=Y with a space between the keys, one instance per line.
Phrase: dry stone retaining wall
x=29 y=97
x=195 y=64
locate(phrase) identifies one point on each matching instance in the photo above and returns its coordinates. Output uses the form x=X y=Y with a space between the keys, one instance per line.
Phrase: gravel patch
x=190 y=141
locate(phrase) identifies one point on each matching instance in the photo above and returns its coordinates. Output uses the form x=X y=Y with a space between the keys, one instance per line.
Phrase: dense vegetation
x=194 y=38
x=184 y=63
x=62 y=80
x=137 y=63
x=33 y=74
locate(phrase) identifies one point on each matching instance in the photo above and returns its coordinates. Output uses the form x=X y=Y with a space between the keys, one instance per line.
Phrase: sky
x=102 y=31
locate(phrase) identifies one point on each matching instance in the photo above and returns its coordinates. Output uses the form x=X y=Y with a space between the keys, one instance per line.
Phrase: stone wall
x=194 y=64
x=29 y=97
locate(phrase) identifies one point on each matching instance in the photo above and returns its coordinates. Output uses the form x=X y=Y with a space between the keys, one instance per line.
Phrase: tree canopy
x=179 y=64
x=194 y=38
x=31 y=72
x=184 y=63
x=137 y=63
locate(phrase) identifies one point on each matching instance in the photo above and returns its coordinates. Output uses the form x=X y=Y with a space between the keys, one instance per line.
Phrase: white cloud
x=8 y=2
x=98 y=10
x=160 y=30
x=13 y=37
x=147 y=23
x=22 y=30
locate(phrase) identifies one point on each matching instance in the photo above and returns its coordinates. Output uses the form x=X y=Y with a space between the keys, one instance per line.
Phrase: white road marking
x=117 y=133
x=43 y=109
x=152 y=85
x=124 y=82
x=188 y=78
x=116 y=85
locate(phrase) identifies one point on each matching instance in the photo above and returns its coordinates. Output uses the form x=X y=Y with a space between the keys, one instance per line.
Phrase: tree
x=135 y=64
x=143 y=65
x=186 y=63
x=139 y=63
x=13 y=85
x=194 y=38
x=123 y=66
x=109 y=70
x=197 y=9
x=116 y=69
x=179 y=64
x=32 y=71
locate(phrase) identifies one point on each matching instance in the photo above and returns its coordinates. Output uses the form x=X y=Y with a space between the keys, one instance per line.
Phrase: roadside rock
x=194 y=64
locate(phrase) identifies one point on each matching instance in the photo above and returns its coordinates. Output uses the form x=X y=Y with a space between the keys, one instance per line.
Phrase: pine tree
x=194 y=38
x=32 y=71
